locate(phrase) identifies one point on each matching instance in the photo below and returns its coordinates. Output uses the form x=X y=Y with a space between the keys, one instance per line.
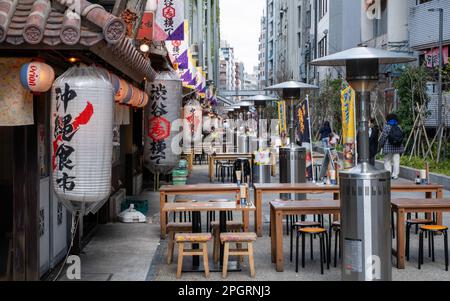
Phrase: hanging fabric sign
x=169 y=25
x=348 y=125
x=16 y=103
x=82 y=135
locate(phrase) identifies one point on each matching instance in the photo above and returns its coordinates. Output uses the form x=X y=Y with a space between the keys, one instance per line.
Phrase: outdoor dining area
x=360 y=223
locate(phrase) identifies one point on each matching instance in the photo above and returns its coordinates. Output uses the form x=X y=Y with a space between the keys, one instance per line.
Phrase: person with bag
x=392 y=143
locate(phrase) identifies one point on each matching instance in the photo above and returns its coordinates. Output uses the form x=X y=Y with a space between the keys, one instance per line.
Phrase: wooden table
x=403 y=206
x=199 y=189
x=278 y=209
x=312 y=188
x=229 y=156
x=431 y=190
x=196 y=208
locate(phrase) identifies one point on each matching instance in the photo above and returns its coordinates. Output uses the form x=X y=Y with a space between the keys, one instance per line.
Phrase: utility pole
x=440 y=125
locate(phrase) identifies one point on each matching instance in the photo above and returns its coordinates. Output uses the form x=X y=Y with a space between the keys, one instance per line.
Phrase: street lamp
x=440 y=125
x=365 y=191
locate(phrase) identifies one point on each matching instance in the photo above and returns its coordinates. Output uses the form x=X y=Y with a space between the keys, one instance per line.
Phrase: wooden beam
x=25 y=207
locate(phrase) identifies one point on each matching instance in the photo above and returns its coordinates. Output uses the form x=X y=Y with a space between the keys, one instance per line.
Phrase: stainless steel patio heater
x=364 y=190
x=292 y=156
x=261 y=173
x=228 y=133
x=243 y=140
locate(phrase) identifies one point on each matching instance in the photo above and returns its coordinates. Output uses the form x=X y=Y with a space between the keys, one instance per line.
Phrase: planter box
x=408 y=172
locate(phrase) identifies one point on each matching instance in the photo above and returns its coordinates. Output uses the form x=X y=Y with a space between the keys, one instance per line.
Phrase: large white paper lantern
x=162 y=110
x=81 y=135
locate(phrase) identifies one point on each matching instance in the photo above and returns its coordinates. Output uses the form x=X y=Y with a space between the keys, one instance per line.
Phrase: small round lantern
x=37 y=77
x=123 y=95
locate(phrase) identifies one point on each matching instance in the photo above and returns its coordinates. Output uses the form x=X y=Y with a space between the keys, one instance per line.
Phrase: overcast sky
x=240 y=26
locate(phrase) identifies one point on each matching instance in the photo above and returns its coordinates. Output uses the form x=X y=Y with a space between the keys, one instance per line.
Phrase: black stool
x=324 y=249
x=336 y=227
x=299 y=225
x=432 y=230
x=409 y=224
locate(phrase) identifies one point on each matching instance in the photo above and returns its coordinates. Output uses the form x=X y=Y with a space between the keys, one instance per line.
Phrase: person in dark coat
x=391 y=152
x=325 y=132
x=374 y=134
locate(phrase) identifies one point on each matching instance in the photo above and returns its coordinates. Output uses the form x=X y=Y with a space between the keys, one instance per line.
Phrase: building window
x=299 y=39
x=299 y=17
x=418 y=2
x=323 y=47
x=308 y=18
x=323 y=8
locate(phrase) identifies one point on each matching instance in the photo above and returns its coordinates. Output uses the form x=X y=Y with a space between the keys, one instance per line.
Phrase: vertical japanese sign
x=178 y=51
x=82 y=135
x=169 y=23
x=162 y=111
x=348 y=125
x=282 y=120
x=304 y=134
x=146 y=28
x=432 y=57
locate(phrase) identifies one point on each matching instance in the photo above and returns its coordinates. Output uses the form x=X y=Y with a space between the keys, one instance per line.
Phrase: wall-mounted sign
x=432 y=57
x=146 y=29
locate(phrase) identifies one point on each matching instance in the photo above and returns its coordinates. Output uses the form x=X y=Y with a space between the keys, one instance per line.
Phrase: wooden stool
x=193 y=238
x=245 y=237
x=324 y=250
x=432 y=230
x=172 y=229
x=409 y=224
x=299 y=225
x=232 y=226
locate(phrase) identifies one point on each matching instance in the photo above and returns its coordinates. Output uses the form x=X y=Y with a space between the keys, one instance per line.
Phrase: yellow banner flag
x=282 y=119
x=348 y=125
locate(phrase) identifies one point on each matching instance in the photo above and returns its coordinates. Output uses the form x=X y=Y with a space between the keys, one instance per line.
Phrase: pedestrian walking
x=374 y=135
x=392 y=143
x=325 y=132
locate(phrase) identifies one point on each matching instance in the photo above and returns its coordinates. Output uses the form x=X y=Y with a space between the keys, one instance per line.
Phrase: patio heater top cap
x=291 y=85
x=291 y=89
x=245 y=104
x=384 y=57
x=261 y=100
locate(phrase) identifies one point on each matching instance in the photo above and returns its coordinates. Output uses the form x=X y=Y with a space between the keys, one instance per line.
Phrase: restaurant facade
x=41 y=41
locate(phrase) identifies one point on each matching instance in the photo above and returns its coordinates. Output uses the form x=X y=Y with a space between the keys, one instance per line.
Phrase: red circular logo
x=158 y=128
x=176 y=43
x=169 y=12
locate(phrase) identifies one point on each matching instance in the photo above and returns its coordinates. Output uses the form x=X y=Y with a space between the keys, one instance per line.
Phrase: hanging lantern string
x=78 y=216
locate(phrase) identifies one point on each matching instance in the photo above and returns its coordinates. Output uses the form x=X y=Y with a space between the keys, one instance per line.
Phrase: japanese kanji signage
x=169 y=23
x=163 y=110
x=82 y=135
x=432 y=57
x=146 y=28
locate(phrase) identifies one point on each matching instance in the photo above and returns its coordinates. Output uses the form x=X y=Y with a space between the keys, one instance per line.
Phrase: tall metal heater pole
x=365 y=192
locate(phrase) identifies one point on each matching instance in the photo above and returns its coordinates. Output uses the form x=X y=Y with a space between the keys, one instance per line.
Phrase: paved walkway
x=135 y=252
